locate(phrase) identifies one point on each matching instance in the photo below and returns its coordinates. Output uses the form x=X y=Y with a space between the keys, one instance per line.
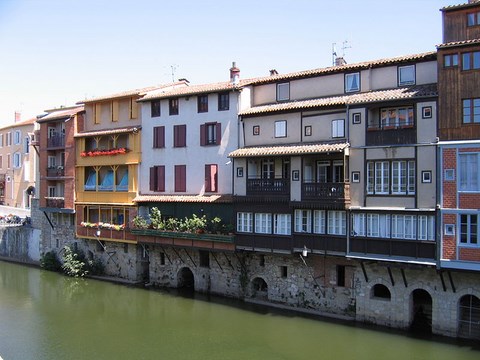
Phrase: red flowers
x=97 y=152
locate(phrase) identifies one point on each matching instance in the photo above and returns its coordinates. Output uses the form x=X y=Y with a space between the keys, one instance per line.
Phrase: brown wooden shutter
x=202 y=135
x=218 y=133
x=152 y=179
x=159 y=137
x=211 y=178
x=160 y=178
x=180 y=178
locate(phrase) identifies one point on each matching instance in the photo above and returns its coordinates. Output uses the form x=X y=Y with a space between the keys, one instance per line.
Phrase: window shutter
x=115 y=111
x=161 y=178
x=218 y=133
x=202 y=135
x=152 y=179
x=159 y=137
x=183 y=135
x=208 y=180
x=133 y=109
x=180 y=178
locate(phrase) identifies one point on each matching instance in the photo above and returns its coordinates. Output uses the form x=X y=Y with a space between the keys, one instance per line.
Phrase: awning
x=129 y=129
x=293 y=149
x=183 y=198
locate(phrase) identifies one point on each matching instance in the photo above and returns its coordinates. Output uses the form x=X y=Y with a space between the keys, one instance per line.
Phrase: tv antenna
x=173 y=68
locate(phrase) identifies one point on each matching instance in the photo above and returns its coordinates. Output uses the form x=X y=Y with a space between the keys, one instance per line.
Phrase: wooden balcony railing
x=327 y=192
x=55 y=202
x=56 y=141
x=55 y=172
x=268 y=186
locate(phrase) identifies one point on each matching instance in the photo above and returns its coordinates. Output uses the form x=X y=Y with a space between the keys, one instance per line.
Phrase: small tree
x=73 y=264
x=49 y=261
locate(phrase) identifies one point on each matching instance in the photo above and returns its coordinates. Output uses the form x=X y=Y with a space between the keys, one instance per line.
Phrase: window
x=263 y=223
x=114 y=111
x=426 y=176
x=91 y=179
x=303 y=221
x=223 y=101
x=471 y=111
x=473 y=19
x=52 y=191
x=319 y=221
x=450 y=60
x=352 y=82
x=155 y=108
x=180 y=178
x=391 y=118
x=406 y=75
x=341 y=275
x=121 y=179
x=202 y=103
x=1 y=140
x=1 y=161
x=357 y=118
x=402 y=177
x=426 y=112
x=469 y=229
x=204 y=257
x=210 y=134
x=378 y=225
x=245 y=222
x=469 y=172
x=26 y=145
x=282 y=224
x=180 y=136
x=404 y=227
x=281 y=128
x=380 y=291
x=426 y=227
x=338 y=128
x=359 y=224
x=337 y=222
x=158 y=137
x=52 y=162
x=173 y=106
x=469 y=317
x=157 y=178
x=256 y=130
x=471 y=60
x=106 y=180
x=8 y=161
x=308 y=130
x=17 y=137
x=211 y=171
x=9 y=138
x=17 y=160
x=268 y=171
x=283 y=91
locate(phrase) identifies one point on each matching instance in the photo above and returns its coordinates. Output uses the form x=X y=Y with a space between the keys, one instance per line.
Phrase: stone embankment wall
x=20 y=243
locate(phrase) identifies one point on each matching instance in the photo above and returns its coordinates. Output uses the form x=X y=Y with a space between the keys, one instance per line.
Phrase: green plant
x=95 y=267
x=195 y=223
x=215 y=225
x=49 y=261
x=156 y=221
x=139 y=222
x=171 y=224
x=73 y=263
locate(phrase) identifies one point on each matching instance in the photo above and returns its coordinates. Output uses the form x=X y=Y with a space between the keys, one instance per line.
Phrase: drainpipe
x=346 y=176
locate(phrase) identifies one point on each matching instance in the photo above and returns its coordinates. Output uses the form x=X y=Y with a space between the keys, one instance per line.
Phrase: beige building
x=17 y=164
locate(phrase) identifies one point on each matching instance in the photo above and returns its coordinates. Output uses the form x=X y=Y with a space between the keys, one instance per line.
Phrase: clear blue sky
x=58 y=52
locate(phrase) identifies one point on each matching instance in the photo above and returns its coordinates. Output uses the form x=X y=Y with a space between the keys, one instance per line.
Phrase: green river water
x=44 y=315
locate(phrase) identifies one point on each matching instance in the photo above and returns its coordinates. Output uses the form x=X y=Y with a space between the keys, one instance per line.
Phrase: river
x=44 y=315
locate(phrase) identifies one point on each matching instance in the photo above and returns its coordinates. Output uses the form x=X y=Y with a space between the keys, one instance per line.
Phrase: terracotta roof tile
x=190 y=90
x=416 y=91
x=109 y=131
x=459 y=6
x=20 y=123
x=184 y=198
x=290 y=149
x=458 y=43
x=60 y=113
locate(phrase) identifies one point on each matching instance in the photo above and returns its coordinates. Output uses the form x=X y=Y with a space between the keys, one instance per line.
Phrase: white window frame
x=468 y=233
x=350 y=84
x=52 y=191
x=337 y=222
x=469 y=172
x=406 y=75
x=358 y=224
x=245 y=222
x=17 y=137
x=52 y=162
x=381 y=177
x=303 y=221
x=281 y=128
x=283 y=91
x=338 y=128
x=1 y=140
x=17 y=160
x=263 y=223
x=282 y=224
x=319 y=221
x=404 y=227
x=378 y=225
x=426 y=227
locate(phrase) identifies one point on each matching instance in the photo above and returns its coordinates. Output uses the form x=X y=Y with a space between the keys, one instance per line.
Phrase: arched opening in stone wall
x=185 y=279
x=421 y=312
x=380 y=291
x=469 y=317
x=260 y=288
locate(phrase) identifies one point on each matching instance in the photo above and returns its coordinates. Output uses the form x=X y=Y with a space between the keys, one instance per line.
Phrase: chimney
x=18 y=116
x=273 y=72
x=234 y=74
x=339 y=61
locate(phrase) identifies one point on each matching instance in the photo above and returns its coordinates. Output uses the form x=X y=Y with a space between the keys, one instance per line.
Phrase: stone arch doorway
x=469 y=317
x=259 y=288
x=421 y=312
x=185 y=279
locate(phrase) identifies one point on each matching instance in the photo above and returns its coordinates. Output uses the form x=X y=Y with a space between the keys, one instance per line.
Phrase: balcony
x=123 y=235
x=268 y=187
x=329 y=193
x=55 y=202
x=393 y=248
x=56 y=171
x=56 y=141
x=391 y=135
x=185 y=239
x=269 y=243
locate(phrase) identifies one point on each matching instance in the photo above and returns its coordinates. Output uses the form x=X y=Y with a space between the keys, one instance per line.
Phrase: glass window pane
x=466 y=63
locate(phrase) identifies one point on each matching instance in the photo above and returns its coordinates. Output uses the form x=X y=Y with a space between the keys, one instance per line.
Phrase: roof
x=134 y=92
x=427 y=56
x=460 y=6
x=290 y=149
x=108 y=131
x=459 y=43
x=20 y=123
x=184 y=198
x=60 y=113
x=190 y=90
x=408 y=92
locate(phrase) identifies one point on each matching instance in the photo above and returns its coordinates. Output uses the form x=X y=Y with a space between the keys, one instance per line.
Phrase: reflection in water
x=48 y=316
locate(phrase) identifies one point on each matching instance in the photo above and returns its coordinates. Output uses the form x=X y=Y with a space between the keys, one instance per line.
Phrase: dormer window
x=406 y=75
x=283 y=92
x=352 y=82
